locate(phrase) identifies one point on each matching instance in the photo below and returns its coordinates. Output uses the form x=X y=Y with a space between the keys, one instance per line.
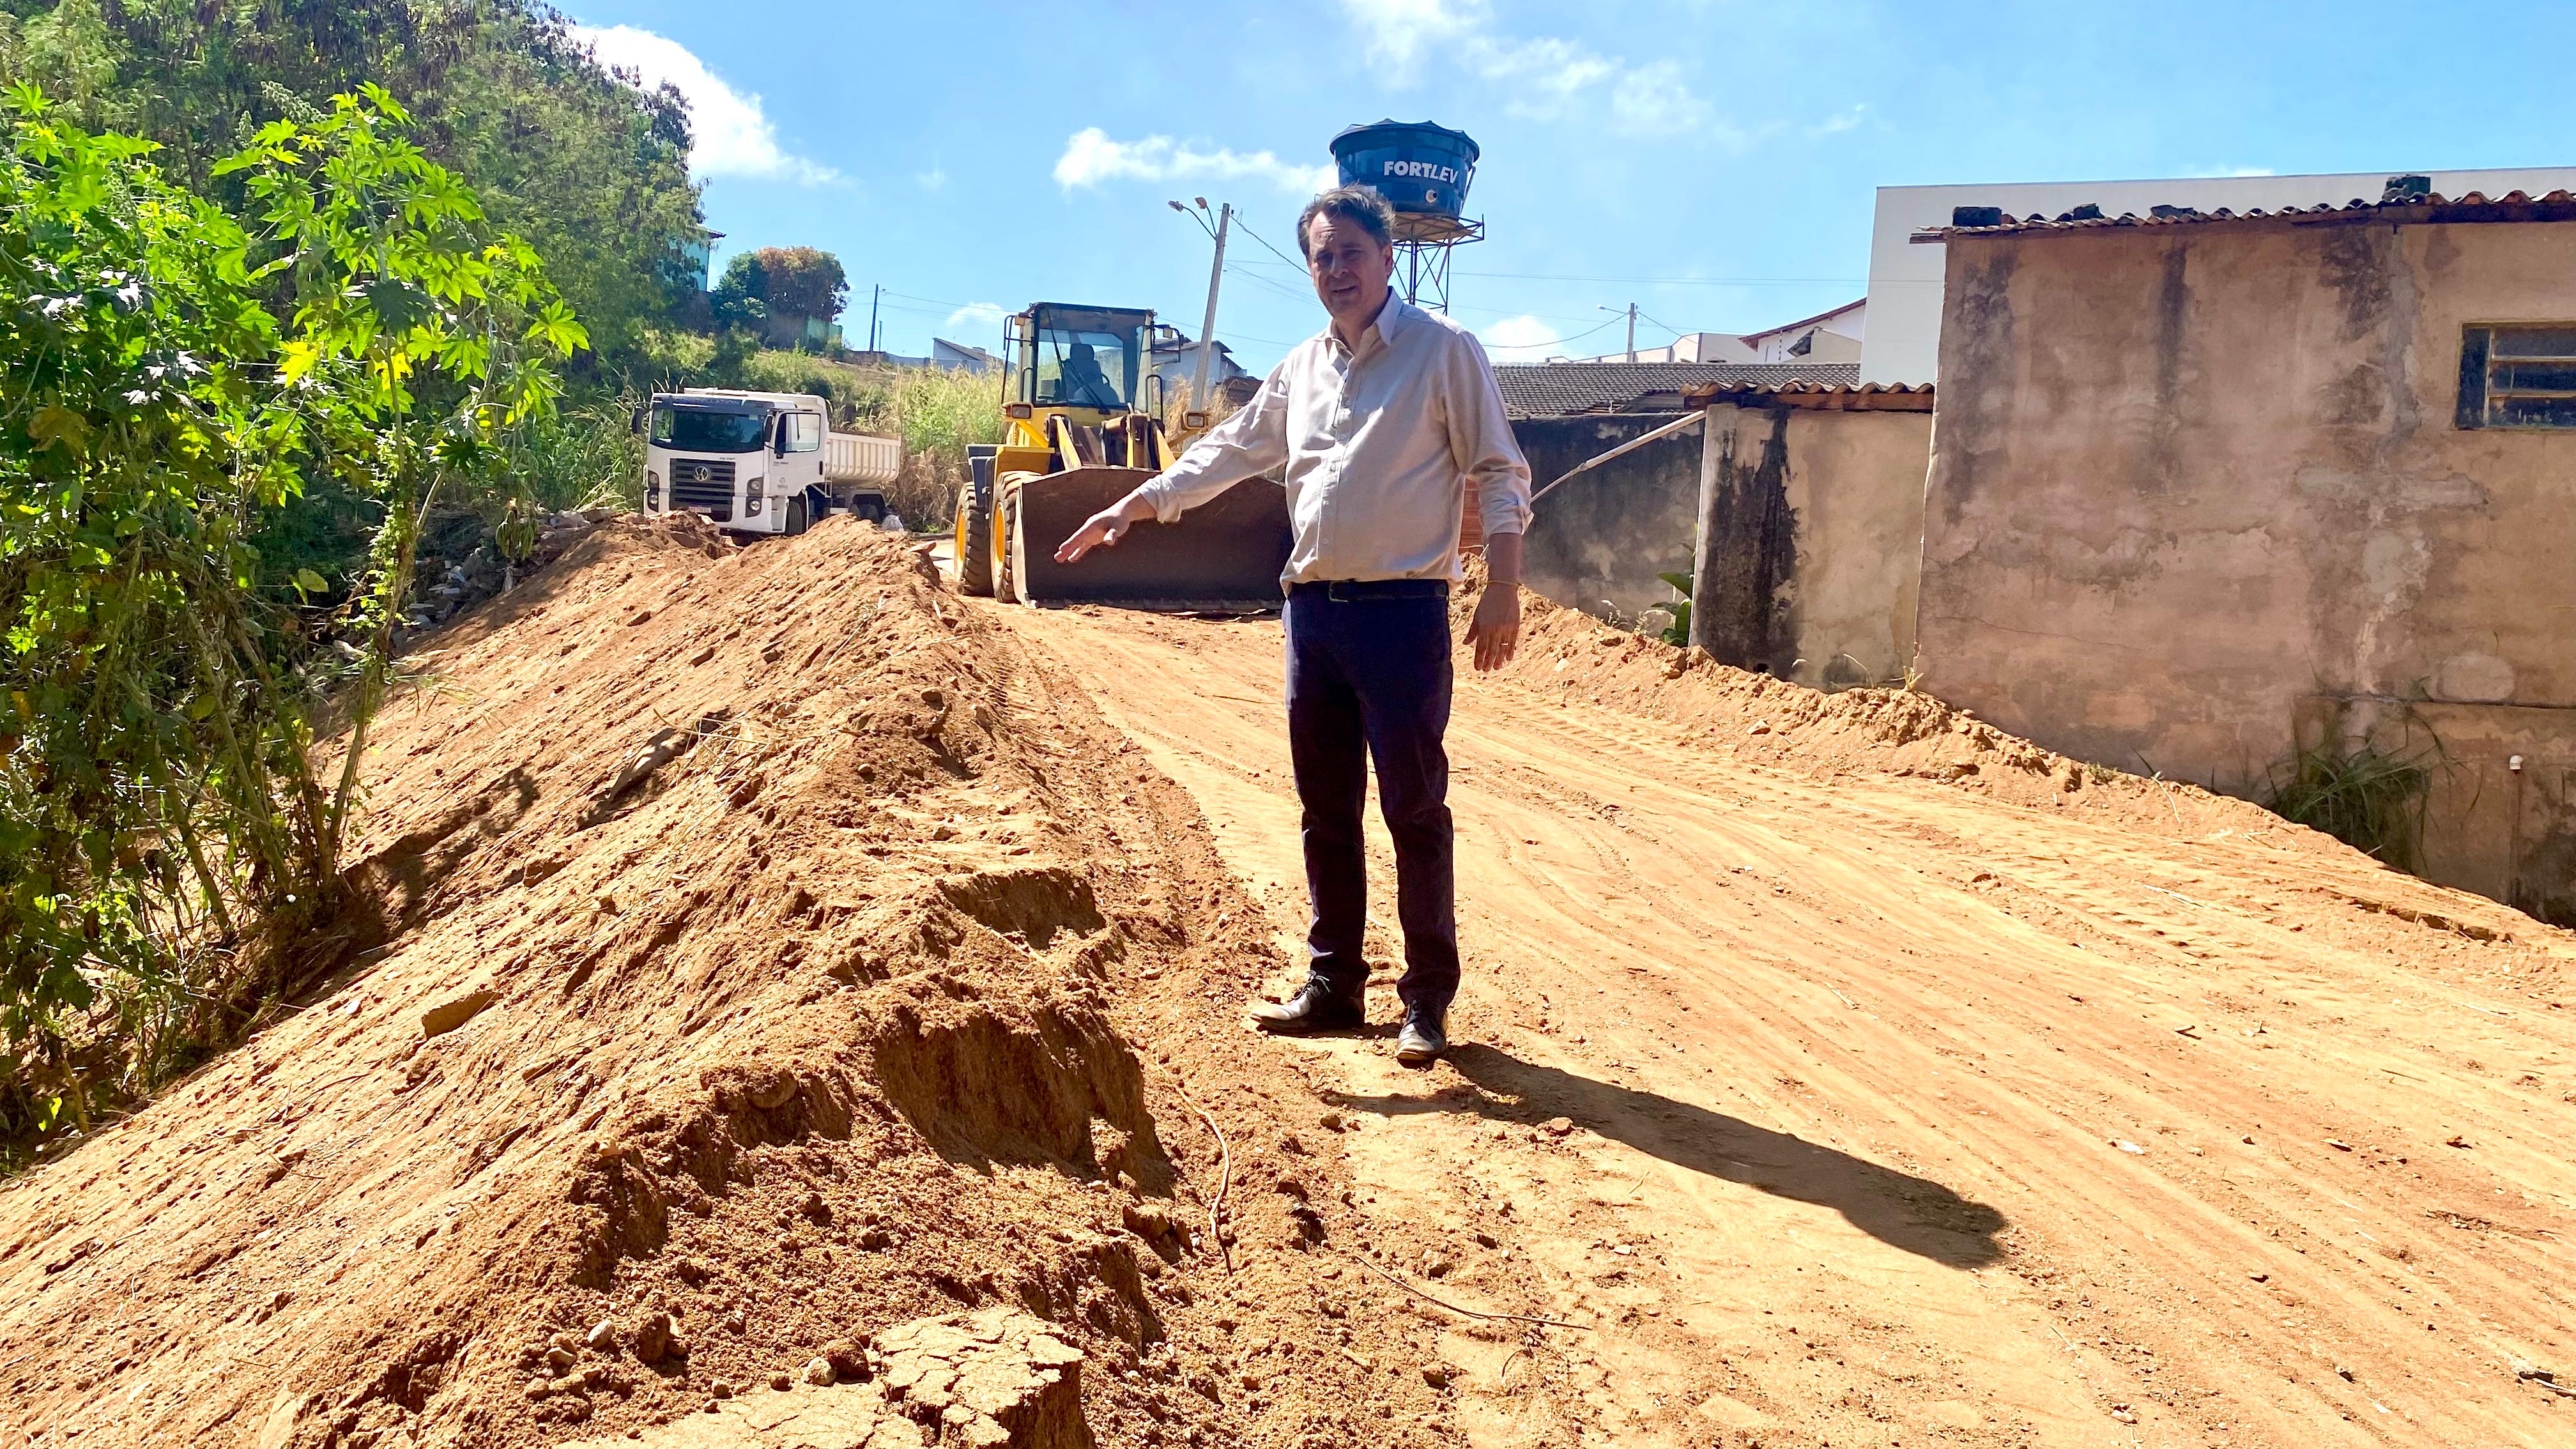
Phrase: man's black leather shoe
x=1314 y=1008
x=1424 y=1038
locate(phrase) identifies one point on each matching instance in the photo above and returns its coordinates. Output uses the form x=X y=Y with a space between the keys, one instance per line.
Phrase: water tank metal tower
x=1423 y=171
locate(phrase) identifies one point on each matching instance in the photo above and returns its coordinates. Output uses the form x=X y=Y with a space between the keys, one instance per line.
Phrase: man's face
x=1350 y=269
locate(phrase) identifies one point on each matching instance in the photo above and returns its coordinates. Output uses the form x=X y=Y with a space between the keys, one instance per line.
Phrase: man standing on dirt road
x=1380 y=420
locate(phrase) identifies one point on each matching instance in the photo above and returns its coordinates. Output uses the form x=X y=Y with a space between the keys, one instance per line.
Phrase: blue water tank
x=1421 y=169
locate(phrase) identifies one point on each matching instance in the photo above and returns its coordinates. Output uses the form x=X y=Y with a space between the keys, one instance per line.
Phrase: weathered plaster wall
x=2499 y=811
x=1856 y=490
x=1802 y=527
x=1810 y=541
x=2185 y=478
x=1606 y=534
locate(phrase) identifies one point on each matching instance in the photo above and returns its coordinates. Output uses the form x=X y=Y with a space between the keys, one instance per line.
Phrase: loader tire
x=975 y=529
x=1005 y=578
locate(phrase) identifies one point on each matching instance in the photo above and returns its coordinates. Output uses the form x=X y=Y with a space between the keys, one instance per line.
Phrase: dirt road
x=1853 y=1109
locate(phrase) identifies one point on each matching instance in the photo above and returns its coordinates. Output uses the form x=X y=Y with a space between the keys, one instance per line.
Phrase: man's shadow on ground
x=1904 y=1211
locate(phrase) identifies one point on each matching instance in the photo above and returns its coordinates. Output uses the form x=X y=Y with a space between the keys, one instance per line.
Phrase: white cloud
x=733 y=136
x=987 y=315
x=1091 y=158
x=1397 y=32
x=1546 y=77
x=1543 y=77
x=1655 y=99
x=1519 y=339
x=1836 y=124
x=934 y=179
x=2213 y=172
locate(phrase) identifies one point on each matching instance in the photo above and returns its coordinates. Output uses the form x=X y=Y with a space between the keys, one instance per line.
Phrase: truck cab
x=759 y=462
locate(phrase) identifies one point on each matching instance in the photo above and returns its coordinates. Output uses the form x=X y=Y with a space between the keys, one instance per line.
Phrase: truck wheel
x=798 y=519
x=975 y=530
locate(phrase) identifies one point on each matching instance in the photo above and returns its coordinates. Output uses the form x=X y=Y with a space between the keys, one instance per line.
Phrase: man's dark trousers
x=1368 y=678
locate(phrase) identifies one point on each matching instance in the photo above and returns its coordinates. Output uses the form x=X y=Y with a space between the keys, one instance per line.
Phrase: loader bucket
x=1226 y=554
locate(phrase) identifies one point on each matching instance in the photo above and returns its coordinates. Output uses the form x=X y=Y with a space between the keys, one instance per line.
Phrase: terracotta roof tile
x=1566 y=389
x=2419 y=208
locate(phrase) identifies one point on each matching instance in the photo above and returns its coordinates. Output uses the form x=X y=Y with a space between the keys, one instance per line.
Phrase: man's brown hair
x=1359 y=205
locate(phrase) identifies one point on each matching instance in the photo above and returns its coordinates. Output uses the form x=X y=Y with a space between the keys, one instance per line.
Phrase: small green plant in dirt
x=2370 y=799
x=178 y=379
x=1677 y=633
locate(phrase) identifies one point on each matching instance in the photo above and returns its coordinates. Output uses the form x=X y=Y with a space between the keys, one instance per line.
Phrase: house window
x=2518 y=377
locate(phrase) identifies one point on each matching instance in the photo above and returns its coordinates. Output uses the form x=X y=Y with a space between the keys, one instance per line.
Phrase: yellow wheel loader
x=1081 y=405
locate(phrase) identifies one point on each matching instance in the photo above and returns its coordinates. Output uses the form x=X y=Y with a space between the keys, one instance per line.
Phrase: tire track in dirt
x=1808 y=1085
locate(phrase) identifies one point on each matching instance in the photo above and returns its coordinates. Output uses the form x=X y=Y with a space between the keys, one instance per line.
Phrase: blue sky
x=1712 y=162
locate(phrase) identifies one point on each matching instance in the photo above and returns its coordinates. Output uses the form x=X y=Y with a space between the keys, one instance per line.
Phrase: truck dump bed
x=859 y=458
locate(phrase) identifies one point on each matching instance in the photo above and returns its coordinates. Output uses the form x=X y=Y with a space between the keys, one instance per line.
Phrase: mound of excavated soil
x=755 y=1034
x=1758 y=719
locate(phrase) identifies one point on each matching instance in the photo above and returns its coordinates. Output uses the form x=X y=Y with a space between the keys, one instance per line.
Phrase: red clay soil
x=823 y=1026
x=1859 y=1075
x=1831 y=1071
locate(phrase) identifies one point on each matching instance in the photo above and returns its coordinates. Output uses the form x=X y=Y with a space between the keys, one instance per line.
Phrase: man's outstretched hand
x=1104 y=529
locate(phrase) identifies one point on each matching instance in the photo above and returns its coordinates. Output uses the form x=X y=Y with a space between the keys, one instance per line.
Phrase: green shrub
x=581 y=456
x=169 y=860
x=2368 y=798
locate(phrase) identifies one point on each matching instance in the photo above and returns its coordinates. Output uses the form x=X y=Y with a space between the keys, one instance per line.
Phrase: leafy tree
x=741 y=295
x=590 y=171
x=70 y=53
x=804 y=282
x=177 y=379
x=789 y=284
x=431 y=329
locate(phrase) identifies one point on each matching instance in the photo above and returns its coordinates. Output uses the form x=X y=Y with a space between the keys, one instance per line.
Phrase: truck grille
x=703 y=484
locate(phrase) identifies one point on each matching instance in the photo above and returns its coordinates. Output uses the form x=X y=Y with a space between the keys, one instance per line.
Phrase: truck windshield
x=705 y=430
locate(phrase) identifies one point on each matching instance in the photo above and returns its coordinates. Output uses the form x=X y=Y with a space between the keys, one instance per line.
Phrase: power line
x=1274 y=251
x=1578 y=336
x=1286 y=291
x=1667 y=326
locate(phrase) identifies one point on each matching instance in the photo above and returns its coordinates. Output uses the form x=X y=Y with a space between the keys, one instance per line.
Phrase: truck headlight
x=652 y=489
x=751 y=498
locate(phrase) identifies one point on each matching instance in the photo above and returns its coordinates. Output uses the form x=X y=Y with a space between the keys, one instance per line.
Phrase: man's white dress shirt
x=1379 y=442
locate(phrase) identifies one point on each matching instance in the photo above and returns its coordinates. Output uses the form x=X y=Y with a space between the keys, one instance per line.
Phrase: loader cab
x=1090 y=360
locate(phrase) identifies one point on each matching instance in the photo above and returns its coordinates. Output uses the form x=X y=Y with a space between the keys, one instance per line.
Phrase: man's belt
x=1353 y=591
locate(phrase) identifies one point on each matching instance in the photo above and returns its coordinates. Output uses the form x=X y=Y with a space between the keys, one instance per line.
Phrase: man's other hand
x=1104 y=529
x=1495 y=629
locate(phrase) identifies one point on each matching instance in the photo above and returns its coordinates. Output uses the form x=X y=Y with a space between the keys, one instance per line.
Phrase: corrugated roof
x=2419 y=208
x=1882 y=397
x=1565 y=389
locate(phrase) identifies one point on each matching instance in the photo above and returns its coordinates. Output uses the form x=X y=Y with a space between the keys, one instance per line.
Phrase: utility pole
x=1630 y=312
x=876 y=295
x=1207 y=327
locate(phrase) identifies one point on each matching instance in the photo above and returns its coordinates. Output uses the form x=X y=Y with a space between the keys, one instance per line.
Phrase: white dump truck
x=760 y=462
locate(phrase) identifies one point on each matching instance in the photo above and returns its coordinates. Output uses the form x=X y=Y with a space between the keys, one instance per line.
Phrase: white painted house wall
x=1905 y=278
x=1837 y=335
